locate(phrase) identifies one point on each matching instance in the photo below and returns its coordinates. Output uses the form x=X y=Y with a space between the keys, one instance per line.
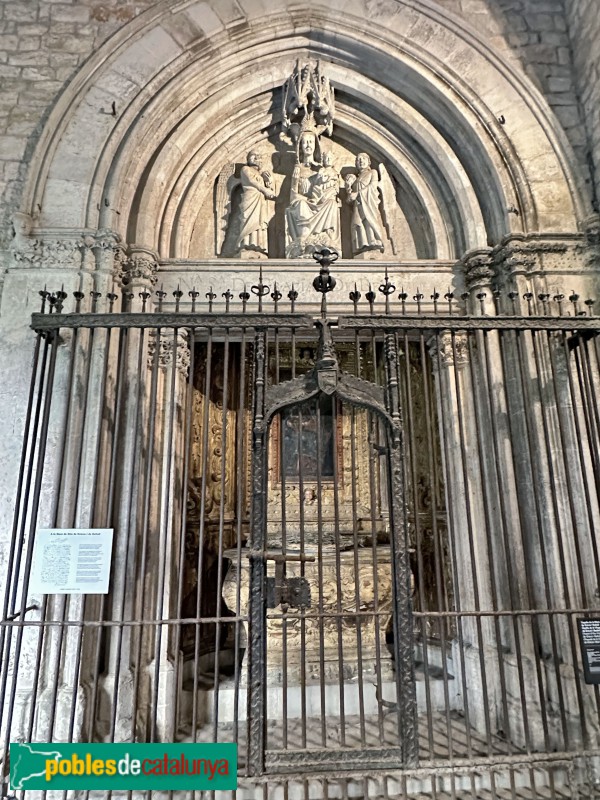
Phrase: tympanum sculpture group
x=311 y=200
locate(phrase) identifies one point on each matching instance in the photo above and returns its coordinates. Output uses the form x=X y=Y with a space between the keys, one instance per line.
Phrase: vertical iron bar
x=401 y=574
x=218 y=601
x=302 y=569
x=118 y=610
x=164 y=535
x=412 y=471
x=338 y=560
x=438 y=559
x=202 y=529
x=257 y=623
x=240 y=453
x=353 y=466
x=23 y=487
x=183 y=529
x=35 y=500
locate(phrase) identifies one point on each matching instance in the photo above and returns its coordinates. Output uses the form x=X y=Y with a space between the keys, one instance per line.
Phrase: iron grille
x=358 y=547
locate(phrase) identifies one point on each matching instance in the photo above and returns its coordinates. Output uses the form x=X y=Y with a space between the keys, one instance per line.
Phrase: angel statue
x=362 y=192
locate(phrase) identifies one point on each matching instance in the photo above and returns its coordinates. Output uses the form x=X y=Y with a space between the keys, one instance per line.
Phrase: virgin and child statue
x=313 y=215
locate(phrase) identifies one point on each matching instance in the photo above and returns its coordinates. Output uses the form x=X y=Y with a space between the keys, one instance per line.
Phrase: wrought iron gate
x=357 y=545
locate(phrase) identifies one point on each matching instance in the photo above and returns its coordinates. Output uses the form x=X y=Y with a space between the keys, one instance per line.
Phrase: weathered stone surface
x=584 y=26
x=186 y=102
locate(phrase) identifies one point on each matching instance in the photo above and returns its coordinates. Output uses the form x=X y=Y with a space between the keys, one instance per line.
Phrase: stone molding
x=538 y=254
x=90 y=251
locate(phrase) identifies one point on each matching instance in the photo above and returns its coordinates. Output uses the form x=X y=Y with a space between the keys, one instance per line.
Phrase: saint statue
x=313 y=215
x=362 y=192
x=257 y=189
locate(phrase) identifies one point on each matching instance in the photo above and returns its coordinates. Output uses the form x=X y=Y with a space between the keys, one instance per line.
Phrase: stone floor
x=441 y=738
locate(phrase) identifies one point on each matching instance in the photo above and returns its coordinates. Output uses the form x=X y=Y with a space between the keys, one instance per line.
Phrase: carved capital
x=591 y=229
x=447 y=350
x=531 y=256
x=140 y=268
x=168 y=348
x=479 y=270
x=110 y=253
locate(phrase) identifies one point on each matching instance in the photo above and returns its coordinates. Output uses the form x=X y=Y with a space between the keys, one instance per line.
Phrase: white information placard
x=71 y=561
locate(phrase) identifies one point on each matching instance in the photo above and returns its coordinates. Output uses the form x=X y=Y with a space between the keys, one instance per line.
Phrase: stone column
x=171 y=352
x=69 y=656
x=124 y=680
x=474 y=650
x=520 y=691
x=547 y=479
x=49 y=693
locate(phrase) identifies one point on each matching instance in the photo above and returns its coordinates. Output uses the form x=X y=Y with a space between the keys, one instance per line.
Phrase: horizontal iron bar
x=374 y=757
x=279 y=557
x=49 y=322
x=459 y=766
x=164 y=319
x=312 y=614
x=119 y=623
x=444 y=323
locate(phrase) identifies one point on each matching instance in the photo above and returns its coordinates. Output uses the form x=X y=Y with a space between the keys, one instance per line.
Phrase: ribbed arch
x=194 y=91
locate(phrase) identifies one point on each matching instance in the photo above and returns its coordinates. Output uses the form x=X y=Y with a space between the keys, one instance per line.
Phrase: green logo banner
x=123 y=766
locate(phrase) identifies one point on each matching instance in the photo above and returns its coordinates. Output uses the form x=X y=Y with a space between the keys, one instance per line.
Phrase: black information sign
x=589 y=636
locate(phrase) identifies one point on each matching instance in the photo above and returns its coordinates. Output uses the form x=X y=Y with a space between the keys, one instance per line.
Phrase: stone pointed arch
x=179 y=74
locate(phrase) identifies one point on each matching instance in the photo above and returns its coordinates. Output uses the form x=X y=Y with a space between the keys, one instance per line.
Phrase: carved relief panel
x=301 y=189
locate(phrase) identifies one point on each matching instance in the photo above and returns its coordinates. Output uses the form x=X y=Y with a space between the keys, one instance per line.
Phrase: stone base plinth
x=341 y=633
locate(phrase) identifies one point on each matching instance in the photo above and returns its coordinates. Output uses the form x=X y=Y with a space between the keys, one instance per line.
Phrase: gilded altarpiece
x=349 y=434
x=219 y=495
x=218 y=491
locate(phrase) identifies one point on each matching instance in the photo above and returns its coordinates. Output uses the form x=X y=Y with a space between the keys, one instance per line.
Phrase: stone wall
x=43 y=43
x=584 y=25
x=534 y=34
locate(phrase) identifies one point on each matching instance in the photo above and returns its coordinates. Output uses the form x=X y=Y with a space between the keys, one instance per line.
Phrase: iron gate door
x=330 y=584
